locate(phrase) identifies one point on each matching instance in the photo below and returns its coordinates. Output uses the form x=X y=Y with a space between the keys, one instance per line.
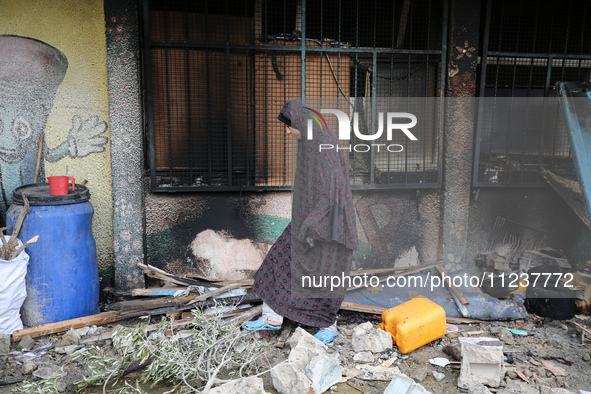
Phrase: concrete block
x=250 y=385
x=554 y=390
x=364 y=357
x=302 y=355
x=289 y=378
x=478 y=388
x=303 y=337
x=403 y=384
x=4 y=344
x=521 y=387
x=26 y=343
x=323 y=372
x=377 y=373
x=366 y=337
x=481 y=363
x=419 y=374
x=28 y=367
x=70 y=338
x=438 y=376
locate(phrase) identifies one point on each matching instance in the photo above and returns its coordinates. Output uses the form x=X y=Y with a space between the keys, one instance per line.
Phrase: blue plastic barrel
x=62 y=277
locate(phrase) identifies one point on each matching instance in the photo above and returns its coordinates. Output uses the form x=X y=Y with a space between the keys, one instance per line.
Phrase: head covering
x=322 y=208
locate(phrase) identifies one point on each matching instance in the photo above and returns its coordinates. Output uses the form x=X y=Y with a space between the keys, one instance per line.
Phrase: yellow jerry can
x=414 y=323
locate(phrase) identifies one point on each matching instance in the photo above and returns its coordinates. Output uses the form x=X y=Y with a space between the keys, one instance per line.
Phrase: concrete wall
x=395 y=227
x=54 y=79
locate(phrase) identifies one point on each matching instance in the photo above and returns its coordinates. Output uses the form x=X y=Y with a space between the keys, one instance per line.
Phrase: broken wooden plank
x=253 y=312
x=285 y=334
x=244 y=282
x=160 y=302
x=555 y=369
x=53 y=328
x=581 y=327
x=350 y=306
x=520 y=373
x=156 y=291
x=393 y=269
x=451 y=286
x=157 y=273
x=215 y=292
x=461 y=320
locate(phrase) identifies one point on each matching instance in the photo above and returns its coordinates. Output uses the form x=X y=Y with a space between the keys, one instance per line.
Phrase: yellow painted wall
x=77 y=28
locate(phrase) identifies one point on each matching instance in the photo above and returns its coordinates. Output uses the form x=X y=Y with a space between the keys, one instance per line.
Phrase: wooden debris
x=19 y=250
x=479 y=332
x=581 y=327
x=157 y=273
x=159 y=302
x=10 y=249
x=520 y=373
x=156 y=291
x=451 y=286
x=350 y=306
x=53 y=328
x=461 y=320
x=215 y=292
x=555 y=369
x=393 y=269
x=534 y=362
x=285 y=334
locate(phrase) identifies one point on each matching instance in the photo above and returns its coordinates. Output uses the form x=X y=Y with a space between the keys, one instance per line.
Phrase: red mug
x=58 y=185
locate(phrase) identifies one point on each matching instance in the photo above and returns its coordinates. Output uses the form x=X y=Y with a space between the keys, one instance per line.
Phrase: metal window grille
x=527 y=47
x=218 y=72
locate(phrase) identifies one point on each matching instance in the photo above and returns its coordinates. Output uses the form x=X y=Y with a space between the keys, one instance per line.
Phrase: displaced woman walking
x=319 y=242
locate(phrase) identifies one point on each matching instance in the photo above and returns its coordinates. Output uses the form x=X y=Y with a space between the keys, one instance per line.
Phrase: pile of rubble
x=532 y=356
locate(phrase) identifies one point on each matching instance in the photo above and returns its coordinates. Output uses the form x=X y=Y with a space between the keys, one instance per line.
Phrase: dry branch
x=8 y=251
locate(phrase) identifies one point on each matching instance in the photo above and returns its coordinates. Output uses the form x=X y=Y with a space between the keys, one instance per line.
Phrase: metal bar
x=401 y=186
x=147 y=68
x=367 y=50
x=442 y=81
x=228 y=111
x=535 y=184
x=570 y=11
x=303 y=16
x=539 y=55
x=481 y=89
x=374 y=72
x=189 y=131
x=208 y=93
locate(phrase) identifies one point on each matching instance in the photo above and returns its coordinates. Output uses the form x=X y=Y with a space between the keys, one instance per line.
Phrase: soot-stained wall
x=534 y=212
x=395 y=227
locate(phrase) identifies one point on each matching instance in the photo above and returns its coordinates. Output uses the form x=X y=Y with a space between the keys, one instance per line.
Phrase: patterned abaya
x=318 y=243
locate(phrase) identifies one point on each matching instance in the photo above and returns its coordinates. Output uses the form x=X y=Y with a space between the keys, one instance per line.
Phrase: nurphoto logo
x=392 y=120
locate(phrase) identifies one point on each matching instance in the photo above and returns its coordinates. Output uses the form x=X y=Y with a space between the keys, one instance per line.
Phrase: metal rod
x=147 y=68
x=374 y=72
x=367 y=50
x=303 y=16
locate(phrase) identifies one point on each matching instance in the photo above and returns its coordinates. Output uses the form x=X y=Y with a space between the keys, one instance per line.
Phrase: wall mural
x=31 y=71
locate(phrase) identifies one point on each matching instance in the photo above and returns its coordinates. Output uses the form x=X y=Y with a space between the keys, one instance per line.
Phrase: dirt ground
x=523 y=358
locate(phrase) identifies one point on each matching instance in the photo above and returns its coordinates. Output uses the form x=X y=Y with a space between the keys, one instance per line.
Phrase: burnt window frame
x=531 y=59
x=405 y=182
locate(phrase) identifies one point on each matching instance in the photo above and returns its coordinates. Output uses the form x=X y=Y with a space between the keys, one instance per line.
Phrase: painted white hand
x=86 y=137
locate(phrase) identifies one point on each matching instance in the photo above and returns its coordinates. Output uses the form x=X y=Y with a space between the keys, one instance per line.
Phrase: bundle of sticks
x=10 y=248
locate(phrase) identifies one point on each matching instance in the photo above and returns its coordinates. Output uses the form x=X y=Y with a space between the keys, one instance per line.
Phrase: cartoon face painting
x=31 y=71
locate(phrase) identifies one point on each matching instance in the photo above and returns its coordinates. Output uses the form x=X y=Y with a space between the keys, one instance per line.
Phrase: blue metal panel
x=575 y=100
